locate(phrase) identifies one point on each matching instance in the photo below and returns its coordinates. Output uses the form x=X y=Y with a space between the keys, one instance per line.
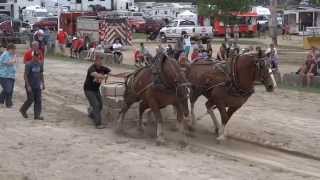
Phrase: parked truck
x=104 y=29
x=177 y=27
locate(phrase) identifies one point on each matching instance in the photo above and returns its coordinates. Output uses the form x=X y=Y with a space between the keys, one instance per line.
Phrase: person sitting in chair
x=117 y=47
x=308 y=70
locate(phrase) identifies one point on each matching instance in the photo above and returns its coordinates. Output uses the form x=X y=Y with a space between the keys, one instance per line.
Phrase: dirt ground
x=66 y=146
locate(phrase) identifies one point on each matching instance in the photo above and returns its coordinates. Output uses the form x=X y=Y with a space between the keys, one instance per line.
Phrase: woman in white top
x=187 y=44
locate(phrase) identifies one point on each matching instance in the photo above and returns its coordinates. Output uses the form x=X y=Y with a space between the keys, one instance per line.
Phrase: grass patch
x=301 y=89
x=139 y=36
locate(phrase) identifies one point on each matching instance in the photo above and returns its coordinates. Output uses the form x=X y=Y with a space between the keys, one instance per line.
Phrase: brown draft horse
x=227 y=89
x=140 y=88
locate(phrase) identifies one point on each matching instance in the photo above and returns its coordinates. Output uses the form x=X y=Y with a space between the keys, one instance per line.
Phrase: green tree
x=315 y=2
x=223 y=8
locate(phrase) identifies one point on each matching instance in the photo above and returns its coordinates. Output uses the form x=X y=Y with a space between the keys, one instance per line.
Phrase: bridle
x=178 y=85
x=260 y=75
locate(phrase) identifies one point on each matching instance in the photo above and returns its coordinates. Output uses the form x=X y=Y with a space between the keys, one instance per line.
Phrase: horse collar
x=234 y=87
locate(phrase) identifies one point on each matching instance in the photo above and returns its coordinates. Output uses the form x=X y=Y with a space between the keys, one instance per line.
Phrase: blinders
x=262 y=66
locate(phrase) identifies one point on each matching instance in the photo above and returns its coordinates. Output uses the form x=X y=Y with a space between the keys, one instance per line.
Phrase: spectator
x=39 y=37
x=46 y=37
x=259 y=29
x=62 y=40
x=308 y=70
x=187 y=44
x=228 y=34
x=179 y=47
x=286 y=32
x=272 y=49
x=73 y=49
x=198 y=45
x=209 y=50
x=195 y=55
x=274 y=60
x=170 y=51
x=28 y=55
x=236 y=33
x=91 y=52
x=313 y=53
x=79 y=47
x=138 y=58
x=222 y=53
x=8 y=61
x=34 y=80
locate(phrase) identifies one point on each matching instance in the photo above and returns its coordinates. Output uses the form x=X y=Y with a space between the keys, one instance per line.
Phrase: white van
x=33 y=14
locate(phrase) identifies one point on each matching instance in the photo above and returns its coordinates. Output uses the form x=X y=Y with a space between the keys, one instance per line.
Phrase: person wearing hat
x=40 y=38
x=96 y=74
x=8 y=63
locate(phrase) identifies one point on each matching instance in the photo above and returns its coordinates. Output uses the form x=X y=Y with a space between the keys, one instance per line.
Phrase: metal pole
x=274 y=23
x=59 y=14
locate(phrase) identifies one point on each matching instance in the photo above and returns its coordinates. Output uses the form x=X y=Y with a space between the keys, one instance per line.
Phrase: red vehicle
x=154 y=25
x=137 y=24
x=51 y=23
x=68 y=20
x=247 y=23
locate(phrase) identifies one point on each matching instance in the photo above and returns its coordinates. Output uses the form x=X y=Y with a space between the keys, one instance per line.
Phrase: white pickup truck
x=175 y=29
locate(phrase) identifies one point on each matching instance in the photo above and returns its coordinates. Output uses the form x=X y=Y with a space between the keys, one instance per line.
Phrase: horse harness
x=156 y=69
x=232 y=83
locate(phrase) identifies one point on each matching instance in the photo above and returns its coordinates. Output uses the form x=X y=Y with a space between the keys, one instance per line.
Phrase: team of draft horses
x=227 y=85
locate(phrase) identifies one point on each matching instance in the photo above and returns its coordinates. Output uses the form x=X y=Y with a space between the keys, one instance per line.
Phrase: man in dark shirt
x=34 y=83
x=95 y=76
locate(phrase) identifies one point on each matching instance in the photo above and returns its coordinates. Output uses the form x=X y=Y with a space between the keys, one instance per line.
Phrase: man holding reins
x=96 y=74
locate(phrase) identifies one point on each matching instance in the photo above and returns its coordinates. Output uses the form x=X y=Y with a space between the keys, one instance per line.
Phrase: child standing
x=34 y=83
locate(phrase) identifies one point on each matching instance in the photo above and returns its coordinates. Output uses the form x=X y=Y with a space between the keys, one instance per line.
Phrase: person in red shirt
x=80 y=46
x=195 y=55
x=62 y=39
x=28 y=55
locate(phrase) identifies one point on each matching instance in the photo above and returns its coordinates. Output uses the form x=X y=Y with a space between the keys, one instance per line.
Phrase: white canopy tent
x=188 y=15
x=261 y=11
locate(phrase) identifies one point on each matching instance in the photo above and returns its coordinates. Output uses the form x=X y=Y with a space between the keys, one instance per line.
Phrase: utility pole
x=59 y=15
x=274 y=22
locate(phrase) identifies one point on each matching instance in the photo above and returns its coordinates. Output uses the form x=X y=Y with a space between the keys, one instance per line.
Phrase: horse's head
x=264 y=73
x=175 y=78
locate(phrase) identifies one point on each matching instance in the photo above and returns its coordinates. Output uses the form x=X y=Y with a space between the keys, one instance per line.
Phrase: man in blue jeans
x=95 y=76
x=34 y=80
x=8 y=63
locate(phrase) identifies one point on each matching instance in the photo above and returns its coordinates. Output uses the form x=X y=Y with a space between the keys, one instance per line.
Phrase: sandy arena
x=274 y=136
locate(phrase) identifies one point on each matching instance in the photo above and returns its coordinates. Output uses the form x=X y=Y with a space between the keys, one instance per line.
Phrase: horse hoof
x=221 y=138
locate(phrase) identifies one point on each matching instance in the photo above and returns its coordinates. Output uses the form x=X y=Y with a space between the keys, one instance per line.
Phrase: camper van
x=33 y=14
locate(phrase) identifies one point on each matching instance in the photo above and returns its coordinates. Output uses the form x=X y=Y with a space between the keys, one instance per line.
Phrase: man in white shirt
x=117 y=46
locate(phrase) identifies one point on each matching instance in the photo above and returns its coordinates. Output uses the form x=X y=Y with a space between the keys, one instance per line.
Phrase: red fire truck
x=68 y=20
x=247 y=23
